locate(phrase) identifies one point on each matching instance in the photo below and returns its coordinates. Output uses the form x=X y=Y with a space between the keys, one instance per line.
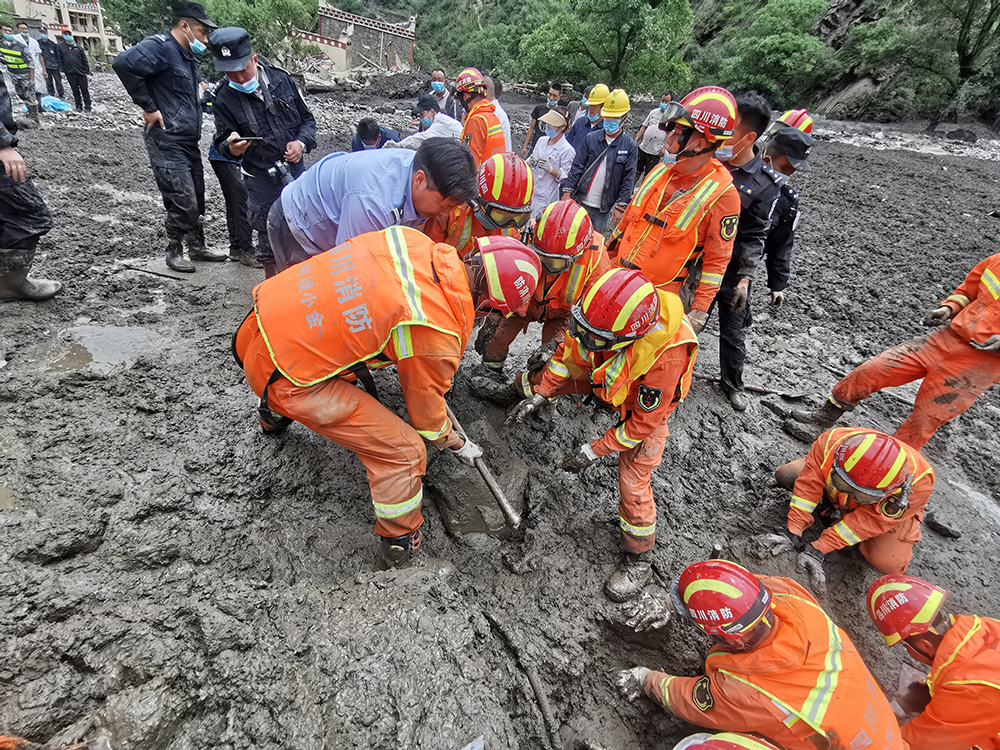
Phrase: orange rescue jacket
x=861 y=522
x=680 y=226
x=806 y=687
x=556 y=294
x=483 y=133
x=977 y=302
x=460 y=228
x=964 y=683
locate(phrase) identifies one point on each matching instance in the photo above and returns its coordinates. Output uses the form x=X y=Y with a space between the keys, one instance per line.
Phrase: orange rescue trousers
x=955 y=374
x=392 y=452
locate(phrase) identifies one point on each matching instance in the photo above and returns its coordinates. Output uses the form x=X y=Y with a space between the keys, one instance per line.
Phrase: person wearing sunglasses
x=385 y=298
x=571 y=256
x=680 y=225
x=958 y=705
x=501 y=207
x=779 y=667
x=630 y=345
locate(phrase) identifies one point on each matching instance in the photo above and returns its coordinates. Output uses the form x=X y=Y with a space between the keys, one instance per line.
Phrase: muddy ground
x=170 y=579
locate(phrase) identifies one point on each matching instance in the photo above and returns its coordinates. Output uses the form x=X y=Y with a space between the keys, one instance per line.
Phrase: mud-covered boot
x=492 y=389
x=15 y=285
x=396 y=551
x=198 y=251
x=177 y=257
x=632 y=575
x=808 y=425
x=271 y=423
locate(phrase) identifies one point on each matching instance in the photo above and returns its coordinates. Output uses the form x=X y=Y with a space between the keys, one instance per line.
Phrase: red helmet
x=872 y=463
x=619 y=308
x=471 y=79
x=902 y=605
x=711 y=110
x=507 y=274
x=725 y=600
x=793 y=118
x=563 y=234
x=724 y=741
x=505 y=189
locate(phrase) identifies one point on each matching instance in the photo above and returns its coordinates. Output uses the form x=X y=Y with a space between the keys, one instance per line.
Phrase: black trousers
x=646 y=163
x=262 y=195
x=179 y=175
x=24 y=218
x=53 y=82
x=733 y=327
x=81 y=89
x=285 y=249
x=234 y=191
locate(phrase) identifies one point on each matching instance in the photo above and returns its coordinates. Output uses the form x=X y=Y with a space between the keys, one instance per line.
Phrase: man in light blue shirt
x=344 y=195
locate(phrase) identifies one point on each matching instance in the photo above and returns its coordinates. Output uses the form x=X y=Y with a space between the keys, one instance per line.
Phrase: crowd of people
x=621 y=248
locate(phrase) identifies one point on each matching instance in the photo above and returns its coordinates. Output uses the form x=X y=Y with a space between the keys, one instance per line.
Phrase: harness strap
x=364 y=376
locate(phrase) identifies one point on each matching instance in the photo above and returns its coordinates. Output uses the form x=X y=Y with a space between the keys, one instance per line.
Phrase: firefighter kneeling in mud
x=382 y=298
x=630 y=345
x=780 y=667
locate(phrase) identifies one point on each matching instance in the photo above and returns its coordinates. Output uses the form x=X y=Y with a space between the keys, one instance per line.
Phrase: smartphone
x=250 y=138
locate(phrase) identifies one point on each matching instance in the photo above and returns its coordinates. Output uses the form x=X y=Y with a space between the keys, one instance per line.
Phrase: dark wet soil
x=170 y=579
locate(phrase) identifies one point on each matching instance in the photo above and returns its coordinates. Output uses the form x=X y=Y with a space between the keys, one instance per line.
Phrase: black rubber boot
x=177 y=257
x=809 y=425
x=15 y=285
x=396 y=551
x=630 y=578
x=197 y=250
x=737 y=398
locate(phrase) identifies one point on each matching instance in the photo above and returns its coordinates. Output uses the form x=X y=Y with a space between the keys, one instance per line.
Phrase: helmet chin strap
x=685 y=153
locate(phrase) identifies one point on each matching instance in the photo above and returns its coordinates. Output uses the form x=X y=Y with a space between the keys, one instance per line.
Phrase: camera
x=281 y=173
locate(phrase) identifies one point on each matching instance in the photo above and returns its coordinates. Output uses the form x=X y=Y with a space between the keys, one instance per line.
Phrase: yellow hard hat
x=616 y=104
x=597 y=95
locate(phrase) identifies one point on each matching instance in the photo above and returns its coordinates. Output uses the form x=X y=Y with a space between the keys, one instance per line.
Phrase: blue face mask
x=9 y=37
x=669 y=158
x=612 y=126
x=247 y=88
x=724 y=153
x=197 y=46
x=426 y=122
x=437 y=86
x=67 y=37
x=551 y=131
x=369 y=147
x=551 y=104
x=663 y=107
x=593 y=118
x=43 y=35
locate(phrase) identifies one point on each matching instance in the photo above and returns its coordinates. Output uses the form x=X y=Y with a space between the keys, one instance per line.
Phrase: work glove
x=774 y=544
x=486 y=332
x=650 y=612
x=580 y=460
x=992 y=344
x=739 y=302
x=680 y=608
x=468 y=453
x=393 y=144
x=698 y=319
x=811 y=561
x=541 y=356
x=938 y=317
x=542 y=164
x=777 y=298
x=630 y=682
x=531 y=161
x=530 y=405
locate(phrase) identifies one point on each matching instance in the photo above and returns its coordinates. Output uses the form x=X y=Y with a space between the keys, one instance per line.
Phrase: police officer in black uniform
x=261 y=102
x=758 y=186
x=160 y=73
x=786 y=152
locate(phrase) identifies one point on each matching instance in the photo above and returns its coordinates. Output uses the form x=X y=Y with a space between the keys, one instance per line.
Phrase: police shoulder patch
x=701 y=694
x=648 y=398
x=728 y=225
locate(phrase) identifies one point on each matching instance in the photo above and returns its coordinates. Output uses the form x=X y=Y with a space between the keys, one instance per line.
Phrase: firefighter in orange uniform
x=390 y=297
x=958 y=364
x=680 y=226
x=869 y=489
x=502 y=207
x=724 y=741
x=481 y=129
x=958 y=705
x=780 y=666
x=572 y=257
x=630 y=345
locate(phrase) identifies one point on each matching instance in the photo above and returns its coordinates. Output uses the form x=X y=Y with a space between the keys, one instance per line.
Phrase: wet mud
x=171 y=579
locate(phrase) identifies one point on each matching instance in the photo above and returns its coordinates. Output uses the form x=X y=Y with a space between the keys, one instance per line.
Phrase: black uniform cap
x=231 y=47
x=192 y=10
x=795 y=145
x=424 y=103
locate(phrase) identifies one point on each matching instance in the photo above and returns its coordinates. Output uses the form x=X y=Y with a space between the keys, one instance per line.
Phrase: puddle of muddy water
x=102 y=349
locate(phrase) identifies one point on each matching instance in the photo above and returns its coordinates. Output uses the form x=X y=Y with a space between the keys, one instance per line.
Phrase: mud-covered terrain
x=171 y=579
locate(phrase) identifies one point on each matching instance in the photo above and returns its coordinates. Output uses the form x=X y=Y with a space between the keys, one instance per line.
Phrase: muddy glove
x=651 y=612
x=739 y=302
x=774 y=544
x=541 y=356
x=468 y=453
x=811 y=561
x=698 y=319
x=938 y=317
x=486 y=332
x=580 y=460
x=528 y=406
x=630 y=682
x=992 y=344
x=777 y=298
x=680 y=608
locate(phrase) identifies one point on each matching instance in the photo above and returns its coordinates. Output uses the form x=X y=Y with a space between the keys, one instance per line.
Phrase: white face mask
x=669 y=158
x=724 y=153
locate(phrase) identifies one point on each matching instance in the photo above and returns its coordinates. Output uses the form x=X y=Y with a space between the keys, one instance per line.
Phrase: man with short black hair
x=370 y=135
x=433 y=123
x=53 y=64
x=77 y=68
x=651 y=138
x=18 y=62
x=160 y=73
x=537 y=128
x=344 y=195
x=446 y=100
x=37 y=63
